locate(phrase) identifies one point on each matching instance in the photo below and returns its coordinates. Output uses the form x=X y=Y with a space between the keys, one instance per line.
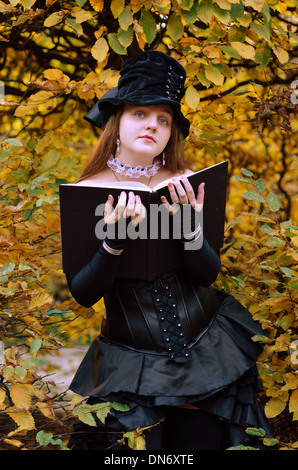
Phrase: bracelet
x=110 y=250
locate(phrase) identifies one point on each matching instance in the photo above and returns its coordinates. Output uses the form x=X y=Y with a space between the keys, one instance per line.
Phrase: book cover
x=153 y=250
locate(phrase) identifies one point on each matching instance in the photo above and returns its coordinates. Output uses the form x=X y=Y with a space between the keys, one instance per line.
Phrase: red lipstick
x=149 y=137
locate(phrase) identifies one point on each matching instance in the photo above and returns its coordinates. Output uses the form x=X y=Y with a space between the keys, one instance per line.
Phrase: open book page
x=135 y=184
x=118 y=184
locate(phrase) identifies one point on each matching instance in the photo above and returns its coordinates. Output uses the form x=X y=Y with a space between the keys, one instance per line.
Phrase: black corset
x=167 y=315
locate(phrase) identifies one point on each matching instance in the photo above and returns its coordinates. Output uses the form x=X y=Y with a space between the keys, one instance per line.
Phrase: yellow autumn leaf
x=2 y=396
x=24 y=109
x=97 y=5
x=100 y=49
x=214 y=75
x=293 y=403
x=53 y=74
x=212 y=52
x=20 y=396
x=13 y=442
x=82 y=16
x=192 y=97
x=42 y=300
x=245 y=50
x=224 y=4
x=53 y=19
x=139 y=443
x=274 y=407
x=255 y=4
x=40 y=97
x=23 y=419
x=117 y=7
x=281 y=7
x=46 y=409
x=291 y=381
x=281 y=54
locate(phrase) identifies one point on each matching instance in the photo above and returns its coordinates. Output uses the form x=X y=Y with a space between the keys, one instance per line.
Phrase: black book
x=154 y=250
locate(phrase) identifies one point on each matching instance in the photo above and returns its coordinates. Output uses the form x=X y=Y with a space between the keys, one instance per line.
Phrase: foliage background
x=57 y=58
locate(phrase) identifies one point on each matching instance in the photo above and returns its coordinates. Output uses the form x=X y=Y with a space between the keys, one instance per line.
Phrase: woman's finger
x=171 y=208
x=130 y=207
x=189 y=191
x=179 y=189
x=139 y=212
x=120 y=207
x=108 y=210
x=200 y=197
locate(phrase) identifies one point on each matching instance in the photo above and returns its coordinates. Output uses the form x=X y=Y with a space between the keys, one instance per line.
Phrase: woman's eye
x=139 y=114
x=164 y=121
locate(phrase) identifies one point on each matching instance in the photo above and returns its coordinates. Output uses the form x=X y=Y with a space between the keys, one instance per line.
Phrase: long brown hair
x=106 y=145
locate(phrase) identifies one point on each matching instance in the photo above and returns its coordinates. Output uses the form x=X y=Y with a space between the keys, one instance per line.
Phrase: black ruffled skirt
x=220 y=378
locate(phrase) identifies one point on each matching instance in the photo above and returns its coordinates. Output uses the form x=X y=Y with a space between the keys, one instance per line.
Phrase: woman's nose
x=151 y=122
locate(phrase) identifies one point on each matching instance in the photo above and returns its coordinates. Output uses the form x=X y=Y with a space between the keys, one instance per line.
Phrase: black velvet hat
x=149 y=78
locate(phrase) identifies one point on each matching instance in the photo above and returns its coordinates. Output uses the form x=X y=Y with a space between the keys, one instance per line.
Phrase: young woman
x=175 y=350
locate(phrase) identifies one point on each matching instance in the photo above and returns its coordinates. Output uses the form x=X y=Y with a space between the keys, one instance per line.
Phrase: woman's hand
x=126 y=207
x=183 y=195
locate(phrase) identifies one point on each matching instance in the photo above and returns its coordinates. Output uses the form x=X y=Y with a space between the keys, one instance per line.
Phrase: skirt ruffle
x=219 y=376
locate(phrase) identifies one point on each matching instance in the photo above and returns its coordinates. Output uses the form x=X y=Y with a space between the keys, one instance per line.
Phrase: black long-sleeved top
x=92 y=281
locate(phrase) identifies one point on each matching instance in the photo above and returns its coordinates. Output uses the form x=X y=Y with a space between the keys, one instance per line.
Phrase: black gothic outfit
x=167 y=342
x=171 y=341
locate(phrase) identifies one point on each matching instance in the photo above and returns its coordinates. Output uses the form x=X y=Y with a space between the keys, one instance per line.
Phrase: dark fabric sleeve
x=89 y=285
x=202 y=265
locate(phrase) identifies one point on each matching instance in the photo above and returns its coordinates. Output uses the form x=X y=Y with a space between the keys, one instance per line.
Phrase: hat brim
x=109 y=104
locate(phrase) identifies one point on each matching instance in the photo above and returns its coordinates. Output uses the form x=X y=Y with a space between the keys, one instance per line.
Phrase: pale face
x=144 y=132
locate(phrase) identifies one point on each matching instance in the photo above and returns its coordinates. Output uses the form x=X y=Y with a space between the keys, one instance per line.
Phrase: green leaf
x=246 y=172
x=260 y=30
x=223 y=15
x=115 y=44
x=119 y=406
x=175 y=27
x=286 y=271
x=102 y=411
x=126 y=18
x=84 y=413
x=269 y=441
x=44 y=438
x=190 y=15
x=273 y=242
x=256 y=432
x=260 y=184
x=205 y=11
x=147 y=22
x=71 y=22
x=14 y=142
x=241 y=178
x=80 y=3
x=35 y=345
x=187 y=4
x=254 y=197
x=125 y=37
x=263 y=55
x=7 y=268
x=273 y=202
x=267 y=229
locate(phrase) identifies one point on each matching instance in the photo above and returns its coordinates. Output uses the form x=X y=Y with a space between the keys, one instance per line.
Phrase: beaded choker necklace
x=132 y=172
